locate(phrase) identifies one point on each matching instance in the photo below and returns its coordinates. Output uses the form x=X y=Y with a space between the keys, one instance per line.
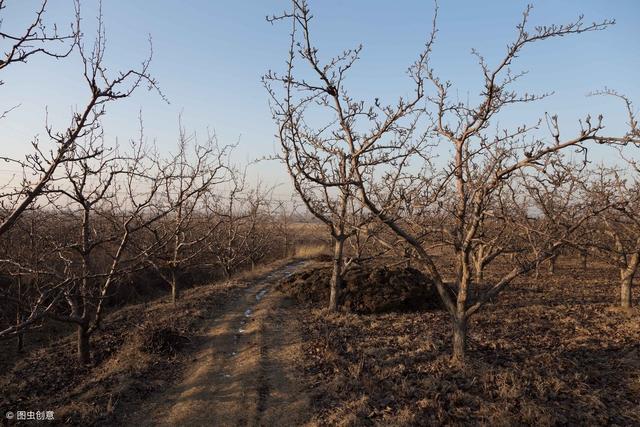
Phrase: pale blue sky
x=209 y=57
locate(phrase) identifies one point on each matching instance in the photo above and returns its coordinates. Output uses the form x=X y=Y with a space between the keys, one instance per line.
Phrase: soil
x=555 y=351
x=366 y=289
x=243 y=372
x=141 y=351
x=549 y=351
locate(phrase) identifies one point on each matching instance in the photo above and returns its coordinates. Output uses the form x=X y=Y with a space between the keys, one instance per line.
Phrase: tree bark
x=552 y=264
x=583 y=259
x=175 y=291
x=626 y=280
x=286 y=242
x=20 y=342
x=460 y=318
x=478 y=272
x=459 y=340
x=479 y=277
x=84 y=353
x=336 y=275
x=19 y=316
x=226 y=272
x=20 y=334
x=625 y=291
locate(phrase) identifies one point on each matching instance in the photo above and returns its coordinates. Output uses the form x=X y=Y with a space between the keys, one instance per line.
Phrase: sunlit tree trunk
x=336 y=275
x=552 y=264
x=175 y=290
x=626 y=280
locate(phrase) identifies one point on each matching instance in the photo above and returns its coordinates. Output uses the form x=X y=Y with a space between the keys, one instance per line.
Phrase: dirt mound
x=366 y=289
x=161 y=340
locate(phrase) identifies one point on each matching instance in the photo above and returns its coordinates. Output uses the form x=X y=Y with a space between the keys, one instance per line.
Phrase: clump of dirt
x=366 y=289
x=161 y=339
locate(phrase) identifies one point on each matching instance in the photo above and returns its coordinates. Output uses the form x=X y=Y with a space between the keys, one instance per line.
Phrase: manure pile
x=366 y=289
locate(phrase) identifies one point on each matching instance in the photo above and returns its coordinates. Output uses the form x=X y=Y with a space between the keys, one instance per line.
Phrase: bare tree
x=286 y=213
x=245 y=223
x=483 y=160
x=320 y=158
x=23 y=253
x=41 y=165
x=38 y=39
x=92 y=181
x=190 y=177
x=261 y=241
x=616 y=237
x=110 y=198
x=94 y=214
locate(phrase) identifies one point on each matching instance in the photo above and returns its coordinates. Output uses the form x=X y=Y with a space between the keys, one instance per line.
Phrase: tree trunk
x=336 y=276
x=479 y=277
x=625 y=291
x=20 y=334
x=175 y=291
x=626 y=280
x=84 y=354
x=286 y=242
x=226 y=272
x=583 y=260
x=460 y=319
x=20 y=342
x=19 y=316
x=459 y=340
x=552 y=264
x=478 y=272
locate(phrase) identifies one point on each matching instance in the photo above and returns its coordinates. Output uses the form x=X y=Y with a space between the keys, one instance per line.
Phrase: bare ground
x=555 y=351
x=551 y=351
x=244 y=371
x=140 y=353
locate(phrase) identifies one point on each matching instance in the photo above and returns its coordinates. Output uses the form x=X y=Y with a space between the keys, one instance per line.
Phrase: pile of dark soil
x=366 y=289
x=156 y=339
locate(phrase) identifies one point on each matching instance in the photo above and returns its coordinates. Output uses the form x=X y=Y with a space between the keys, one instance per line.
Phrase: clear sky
x=209 y=57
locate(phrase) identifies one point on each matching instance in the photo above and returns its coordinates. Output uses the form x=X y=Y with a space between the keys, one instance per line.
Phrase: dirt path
x=243 y=374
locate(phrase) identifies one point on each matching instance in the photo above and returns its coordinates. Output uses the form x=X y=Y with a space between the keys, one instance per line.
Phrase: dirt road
x=243 y=373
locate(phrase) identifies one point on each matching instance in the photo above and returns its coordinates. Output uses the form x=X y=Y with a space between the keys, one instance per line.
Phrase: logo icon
x=9 y=415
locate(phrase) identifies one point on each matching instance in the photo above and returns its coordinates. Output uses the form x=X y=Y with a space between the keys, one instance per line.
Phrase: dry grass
x=562 y=355
x=130 y=355
x=546 y=353
x=307 y=251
